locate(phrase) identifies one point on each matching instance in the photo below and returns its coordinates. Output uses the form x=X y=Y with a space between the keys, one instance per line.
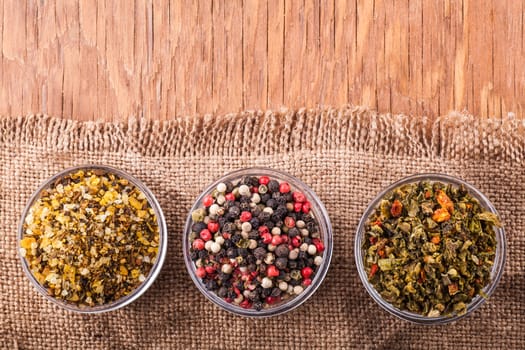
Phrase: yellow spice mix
x=90 y=238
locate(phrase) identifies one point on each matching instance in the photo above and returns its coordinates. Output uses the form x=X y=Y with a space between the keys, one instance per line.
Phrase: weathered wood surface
x=108 y=60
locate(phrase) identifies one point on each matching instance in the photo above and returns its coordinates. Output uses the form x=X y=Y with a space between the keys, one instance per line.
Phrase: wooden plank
x=276 y=49
x=106 y=60
x=255 y=54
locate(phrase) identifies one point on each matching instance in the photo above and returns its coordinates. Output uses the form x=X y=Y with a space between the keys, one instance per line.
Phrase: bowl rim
x=320 y=213
x=155 y=270
x=496 y=271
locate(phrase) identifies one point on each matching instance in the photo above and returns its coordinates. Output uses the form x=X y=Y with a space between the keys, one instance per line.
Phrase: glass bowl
x=287 y=300
x=478 y=300
x=147 y=280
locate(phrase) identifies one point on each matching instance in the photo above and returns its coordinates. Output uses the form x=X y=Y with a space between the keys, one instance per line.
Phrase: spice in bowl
x=255 y=244
x=429 y=248
x=90 y=238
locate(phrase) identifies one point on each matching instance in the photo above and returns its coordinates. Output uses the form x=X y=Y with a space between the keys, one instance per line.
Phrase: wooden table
x=108 y=60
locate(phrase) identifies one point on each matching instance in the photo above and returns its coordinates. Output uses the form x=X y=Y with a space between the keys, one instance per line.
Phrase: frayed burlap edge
x=455 y=136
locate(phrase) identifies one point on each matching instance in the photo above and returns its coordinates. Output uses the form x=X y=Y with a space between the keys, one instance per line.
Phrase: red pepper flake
x=445 y=201
x=396 y=209
x=373 y=270
x=373 y=240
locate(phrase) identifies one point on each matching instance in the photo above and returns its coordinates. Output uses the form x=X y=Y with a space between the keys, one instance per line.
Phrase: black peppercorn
x=222 y=292
x=266 y=292
x=250 y=259
x=293 y=232
x=281 y=263
x=211 y=284
x=254 y=222
x=265 y=197
x=232 y=253
x=273 y=186
x=203 y=254
x=242 y=252
x=272 y=203
x=282 y=251
x=259 y=253
x=229 y=186
x=234 y=211
x=194 y=255
x=198 y=227
x=256 y=211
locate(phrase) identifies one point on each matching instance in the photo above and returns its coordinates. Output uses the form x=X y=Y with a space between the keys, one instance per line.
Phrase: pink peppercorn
x=245 y=216
x=201 y=272
x=207 y=201
x=276 y=240
x=289 y=222
x=272 y=271
x=213 y=226
x=245 y=304
x=209 y=269
x=264 y=180
x=296 y=241
x=198 y=244
x=263 y=229
x=306 y=207
x=254 y=189
x=299 y=197
x=205 y=235
x=284 y=187
x=272 y=300
x=267 y=237
x=307 y=282
x=229 y=197
x=306 y=272
x=297 y=207
x=319 y=246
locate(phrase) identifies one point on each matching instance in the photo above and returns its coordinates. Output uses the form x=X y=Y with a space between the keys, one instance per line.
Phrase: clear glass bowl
x=325 y=230
x=478 y=300
x=163 y=238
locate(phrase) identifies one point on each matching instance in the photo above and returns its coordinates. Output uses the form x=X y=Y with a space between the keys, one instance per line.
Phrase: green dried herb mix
x=429 y=248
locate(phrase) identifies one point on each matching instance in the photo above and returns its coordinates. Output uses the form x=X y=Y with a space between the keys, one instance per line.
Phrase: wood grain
x=108 y=60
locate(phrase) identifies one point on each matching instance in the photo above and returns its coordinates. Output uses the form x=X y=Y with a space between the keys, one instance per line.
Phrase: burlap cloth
x=345 y=155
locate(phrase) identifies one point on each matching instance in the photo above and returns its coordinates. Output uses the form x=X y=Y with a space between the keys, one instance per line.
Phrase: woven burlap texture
x=346 y=155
